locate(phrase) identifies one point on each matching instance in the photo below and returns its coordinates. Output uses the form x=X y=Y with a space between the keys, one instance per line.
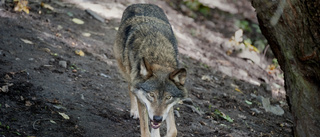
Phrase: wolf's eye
x=151 y=94
x=169 y=97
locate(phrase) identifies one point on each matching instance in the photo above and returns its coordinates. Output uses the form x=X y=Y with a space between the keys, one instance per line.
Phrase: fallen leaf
x=26 y=41
x=58 y=34
x=242 y=116
x=206 y=78
x=203 y=123
x=46 y=50
x=224 y=116
x=59 y=27
x=8 y=77
x=28 y=103
x=53 y=122
x=271 y=67
x=64 y=115
x=238 y=35
x=79 y=52
x=237 y=89
x=47 y=6
x=281 y=125
x=54 y=101
x=86 y=34
x=248 y=102
x=4 y=88
x=54 y=54
x=77 y=21
x=21 y=5
x=82 y=96
x=70 y=14
x=229 y=52
x=234 y=85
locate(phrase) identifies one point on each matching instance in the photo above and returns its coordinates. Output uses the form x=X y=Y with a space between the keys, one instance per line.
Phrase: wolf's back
x=146 y=10
x=145 y=32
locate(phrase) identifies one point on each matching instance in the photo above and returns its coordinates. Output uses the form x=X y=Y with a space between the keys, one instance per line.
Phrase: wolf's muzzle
x=156 y=122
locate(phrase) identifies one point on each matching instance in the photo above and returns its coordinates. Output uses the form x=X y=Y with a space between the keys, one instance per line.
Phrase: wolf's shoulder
x=147 y=10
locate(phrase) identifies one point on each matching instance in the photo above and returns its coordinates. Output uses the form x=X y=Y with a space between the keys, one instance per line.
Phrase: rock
x=277 y=110
x=82 y=96
x=267 y=87
x=253 y=95
x=225 y=70
x=251 y=55
x=276 y=85
x=206 y=78
x=256 y=110
x=63 y=64
x=243 y=73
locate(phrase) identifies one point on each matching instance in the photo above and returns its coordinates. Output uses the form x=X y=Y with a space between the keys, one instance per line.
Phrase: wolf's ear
x=178 y=76
x=145 y=69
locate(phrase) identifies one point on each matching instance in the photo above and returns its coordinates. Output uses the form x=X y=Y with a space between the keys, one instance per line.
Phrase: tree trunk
x=292 y=28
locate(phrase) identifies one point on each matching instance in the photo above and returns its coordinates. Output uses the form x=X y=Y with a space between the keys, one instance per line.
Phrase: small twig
x=265 y=51
x=290 y=121
x=95 y=15
x=34 y=123
x=194 y=109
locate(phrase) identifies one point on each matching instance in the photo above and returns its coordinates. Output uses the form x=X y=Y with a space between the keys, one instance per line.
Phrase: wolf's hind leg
x=171 y=125
x=134 y=105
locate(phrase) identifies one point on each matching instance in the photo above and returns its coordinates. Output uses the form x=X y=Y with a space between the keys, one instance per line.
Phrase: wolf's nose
x=157 y=119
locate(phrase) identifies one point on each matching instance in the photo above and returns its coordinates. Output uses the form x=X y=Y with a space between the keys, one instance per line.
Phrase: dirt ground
x=49 y=90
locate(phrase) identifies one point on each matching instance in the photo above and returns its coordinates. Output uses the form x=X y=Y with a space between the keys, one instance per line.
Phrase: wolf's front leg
x=171 y=125
x=134 y=105
x=144 y=120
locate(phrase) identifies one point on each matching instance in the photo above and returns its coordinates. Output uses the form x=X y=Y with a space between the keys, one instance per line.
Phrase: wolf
x=146 y=52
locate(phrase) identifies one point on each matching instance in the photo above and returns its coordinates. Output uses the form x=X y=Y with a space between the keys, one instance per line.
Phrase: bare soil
x=37 y=90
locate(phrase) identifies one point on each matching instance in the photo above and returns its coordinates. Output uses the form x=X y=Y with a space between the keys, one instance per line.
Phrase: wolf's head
x=159 y=89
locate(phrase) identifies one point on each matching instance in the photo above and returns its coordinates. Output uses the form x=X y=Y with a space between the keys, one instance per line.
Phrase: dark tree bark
x=292 y=28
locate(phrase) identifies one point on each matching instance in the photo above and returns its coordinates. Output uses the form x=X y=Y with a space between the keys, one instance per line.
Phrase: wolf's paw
x=134 y=114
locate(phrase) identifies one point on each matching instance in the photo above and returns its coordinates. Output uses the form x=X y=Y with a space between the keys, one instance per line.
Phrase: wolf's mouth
x=154 y=124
